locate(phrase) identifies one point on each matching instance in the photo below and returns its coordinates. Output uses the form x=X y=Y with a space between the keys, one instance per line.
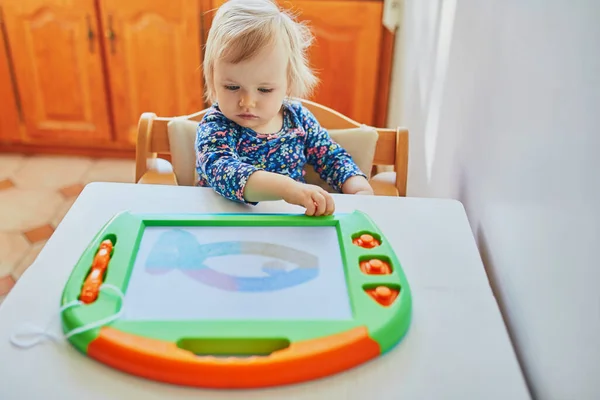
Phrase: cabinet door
x=9 y=115
x=153 y=55
x=345 y=54
x=58 y=69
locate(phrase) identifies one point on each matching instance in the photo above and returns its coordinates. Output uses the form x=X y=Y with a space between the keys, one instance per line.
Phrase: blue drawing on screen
x=179 y=249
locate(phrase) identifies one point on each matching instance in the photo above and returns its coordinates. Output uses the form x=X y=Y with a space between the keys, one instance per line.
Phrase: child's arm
x=357 y=184
x=332 y=162
x=263 y=185
x=217 y=162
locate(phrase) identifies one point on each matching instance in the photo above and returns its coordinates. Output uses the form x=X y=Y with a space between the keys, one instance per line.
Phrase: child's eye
x=265 y=90
x=231 y=87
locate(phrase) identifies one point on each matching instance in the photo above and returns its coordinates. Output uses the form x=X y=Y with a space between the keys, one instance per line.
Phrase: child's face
x=251 y=93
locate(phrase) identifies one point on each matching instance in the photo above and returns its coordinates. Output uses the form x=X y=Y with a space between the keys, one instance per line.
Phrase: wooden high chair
x=174 y=137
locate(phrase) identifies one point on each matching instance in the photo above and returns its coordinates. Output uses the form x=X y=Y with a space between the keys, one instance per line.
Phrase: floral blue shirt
x=227 y=153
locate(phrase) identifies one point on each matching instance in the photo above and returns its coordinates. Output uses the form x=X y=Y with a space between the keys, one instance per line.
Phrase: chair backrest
x=154 y=140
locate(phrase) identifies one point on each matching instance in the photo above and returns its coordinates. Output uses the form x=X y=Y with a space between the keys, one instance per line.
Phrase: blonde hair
x=241 y=28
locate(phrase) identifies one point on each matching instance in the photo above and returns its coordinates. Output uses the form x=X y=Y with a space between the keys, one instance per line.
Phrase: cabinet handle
x=202 y=38
x=110 y=35
x=90 y=34
x=10 y=65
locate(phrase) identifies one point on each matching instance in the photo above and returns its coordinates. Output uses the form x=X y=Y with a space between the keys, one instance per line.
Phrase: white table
x=457 y=346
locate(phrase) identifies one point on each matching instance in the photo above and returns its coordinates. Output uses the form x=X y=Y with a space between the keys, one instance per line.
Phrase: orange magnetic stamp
x=384 y=295
x=367 y=241
x=375 y=267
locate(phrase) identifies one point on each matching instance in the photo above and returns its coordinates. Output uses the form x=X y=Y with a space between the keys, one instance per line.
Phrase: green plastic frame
x=386 y=325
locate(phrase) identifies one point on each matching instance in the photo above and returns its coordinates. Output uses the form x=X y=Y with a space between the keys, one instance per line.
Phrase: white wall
x=502 y=99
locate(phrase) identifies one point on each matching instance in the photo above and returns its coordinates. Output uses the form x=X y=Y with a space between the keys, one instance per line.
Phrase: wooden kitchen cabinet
x=58 y=70
x=9 y=113
x=152 y=47
x=345 y=54
x=75 y=75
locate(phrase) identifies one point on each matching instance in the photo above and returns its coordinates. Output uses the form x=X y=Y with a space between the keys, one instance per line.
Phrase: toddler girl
x=253 y=143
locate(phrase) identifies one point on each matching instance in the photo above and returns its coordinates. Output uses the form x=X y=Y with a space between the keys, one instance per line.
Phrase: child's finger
x=329 y=203
x=330 y=207
x=321 y=203
x=310 y=206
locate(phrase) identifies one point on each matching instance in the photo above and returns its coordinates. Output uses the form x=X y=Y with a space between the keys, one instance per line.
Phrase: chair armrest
x=160 y=172
x=384 y=184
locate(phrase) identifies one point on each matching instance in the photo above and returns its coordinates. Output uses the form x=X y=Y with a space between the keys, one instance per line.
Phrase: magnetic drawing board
x=238 y=300
x=175 y=277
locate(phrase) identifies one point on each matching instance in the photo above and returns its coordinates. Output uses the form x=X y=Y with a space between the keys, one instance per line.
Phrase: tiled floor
x=35 y=194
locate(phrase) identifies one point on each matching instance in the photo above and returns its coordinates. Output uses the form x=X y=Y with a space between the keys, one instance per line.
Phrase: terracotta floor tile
x=13 y=247
x=10 y=163
x=71 y=190
x=40 y=233
x=6 y=283
x=51 y=172
x=24 y=209
x=62 y=211
x=36 y=192
x=109 y=170
x=6 y=184
x=29 y=258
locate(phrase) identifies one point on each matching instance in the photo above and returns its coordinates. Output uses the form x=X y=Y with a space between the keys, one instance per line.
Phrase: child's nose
x=246 y=101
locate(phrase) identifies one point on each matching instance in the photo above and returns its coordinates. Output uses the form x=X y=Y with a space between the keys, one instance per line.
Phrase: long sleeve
x=332 y=162
x=217 y=162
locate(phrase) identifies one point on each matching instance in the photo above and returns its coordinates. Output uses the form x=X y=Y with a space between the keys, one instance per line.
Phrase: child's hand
x=315 y=199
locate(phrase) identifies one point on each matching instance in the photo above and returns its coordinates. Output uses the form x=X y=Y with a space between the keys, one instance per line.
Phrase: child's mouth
x=247 y=116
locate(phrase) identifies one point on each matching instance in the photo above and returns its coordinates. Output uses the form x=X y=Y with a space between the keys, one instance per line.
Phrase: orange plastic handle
x=91 y=286
x=101 y=259
x=164 y=361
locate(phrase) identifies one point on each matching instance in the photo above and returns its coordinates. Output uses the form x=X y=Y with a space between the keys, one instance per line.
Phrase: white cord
x=31 y=335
